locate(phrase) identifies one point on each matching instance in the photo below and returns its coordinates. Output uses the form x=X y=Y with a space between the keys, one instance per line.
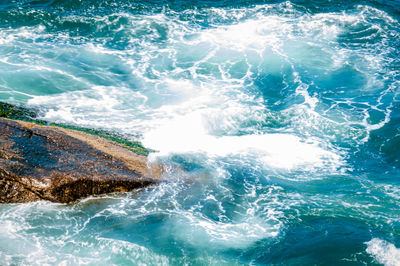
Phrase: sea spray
x=284 y=115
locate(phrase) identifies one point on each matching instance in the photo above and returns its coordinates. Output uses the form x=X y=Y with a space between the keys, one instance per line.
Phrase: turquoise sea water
x=285 y=115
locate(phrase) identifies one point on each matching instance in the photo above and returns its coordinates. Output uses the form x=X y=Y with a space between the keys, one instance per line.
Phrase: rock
x=62 y=165
x=16 y=112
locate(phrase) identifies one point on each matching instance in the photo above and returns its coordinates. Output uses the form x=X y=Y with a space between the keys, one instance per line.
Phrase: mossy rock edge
x=21 y=113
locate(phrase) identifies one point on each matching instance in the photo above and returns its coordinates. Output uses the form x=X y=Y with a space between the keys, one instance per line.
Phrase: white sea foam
x=23 y=226
x=251 y=37
x=384 y=252
x=188 y=134
x=258 y=216
x=201 y=232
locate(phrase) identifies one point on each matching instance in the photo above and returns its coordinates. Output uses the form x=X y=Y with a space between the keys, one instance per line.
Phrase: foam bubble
x=384 y=252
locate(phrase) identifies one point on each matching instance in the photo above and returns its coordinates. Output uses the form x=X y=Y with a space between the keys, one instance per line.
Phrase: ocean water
x=284 y=114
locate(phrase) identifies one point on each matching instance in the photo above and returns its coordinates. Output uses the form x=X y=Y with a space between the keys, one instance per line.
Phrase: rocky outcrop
x=62 y=165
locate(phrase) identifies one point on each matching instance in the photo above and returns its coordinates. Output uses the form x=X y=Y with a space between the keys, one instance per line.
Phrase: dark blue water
x=284 y=114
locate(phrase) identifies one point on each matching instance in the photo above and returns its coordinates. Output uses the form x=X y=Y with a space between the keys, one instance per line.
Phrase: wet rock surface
x=62 y=165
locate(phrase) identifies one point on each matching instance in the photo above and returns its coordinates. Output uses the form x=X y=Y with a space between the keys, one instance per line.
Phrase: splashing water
x=284 y=115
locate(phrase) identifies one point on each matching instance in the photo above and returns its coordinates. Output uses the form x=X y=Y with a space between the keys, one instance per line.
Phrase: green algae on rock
x=16 y=112
x=134 y=146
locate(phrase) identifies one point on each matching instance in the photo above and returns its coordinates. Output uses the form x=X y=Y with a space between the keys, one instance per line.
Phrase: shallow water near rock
x=284 y=114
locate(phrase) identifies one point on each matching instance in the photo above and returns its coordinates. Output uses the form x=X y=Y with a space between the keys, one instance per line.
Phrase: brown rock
x=62 y=165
